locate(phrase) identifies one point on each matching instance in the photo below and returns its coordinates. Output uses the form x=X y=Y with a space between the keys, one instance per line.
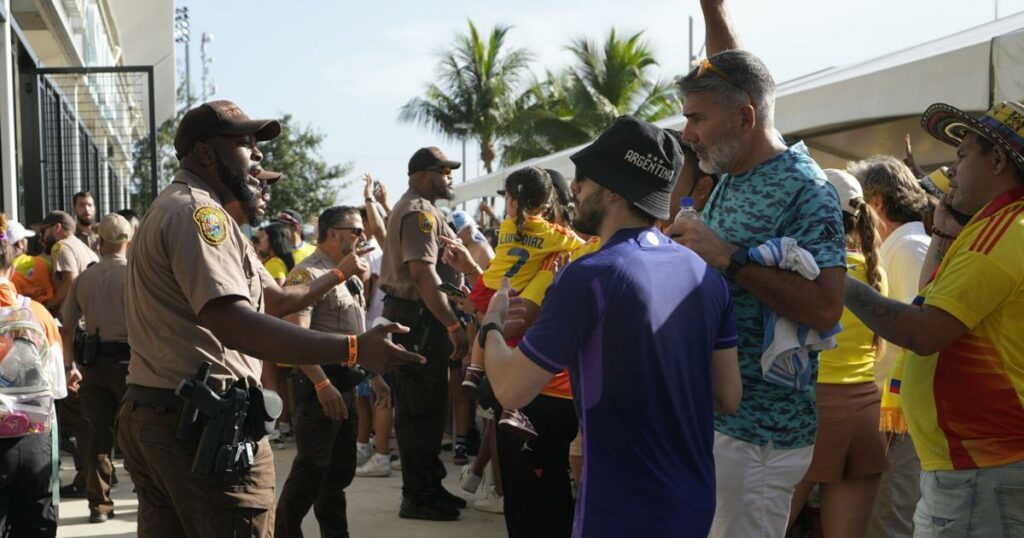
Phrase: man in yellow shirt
x=962 y=389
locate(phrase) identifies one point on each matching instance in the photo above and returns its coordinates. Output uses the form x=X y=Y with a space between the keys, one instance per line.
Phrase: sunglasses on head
x=706 y=67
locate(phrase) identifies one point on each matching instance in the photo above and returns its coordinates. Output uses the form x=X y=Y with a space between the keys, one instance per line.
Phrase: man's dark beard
x=442 y=192
x=589 y=215
x=237 y=186
x=83 y=221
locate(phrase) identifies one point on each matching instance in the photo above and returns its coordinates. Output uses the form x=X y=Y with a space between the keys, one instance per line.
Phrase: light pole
x=181 y=28
x=209 y=88
x=465 y=128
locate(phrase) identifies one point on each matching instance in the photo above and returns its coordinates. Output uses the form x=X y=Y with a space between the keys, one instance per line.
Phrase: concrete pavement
x=372 y=508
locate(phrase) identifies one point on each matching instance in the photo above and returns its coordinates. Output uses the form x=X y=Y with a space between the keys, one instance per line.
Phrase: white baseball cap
x=848 y=188
x=16 y=232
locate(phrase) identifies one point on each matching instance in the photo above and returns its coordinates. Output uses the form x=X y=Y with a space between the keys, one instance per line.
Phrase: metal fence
x=92 y=125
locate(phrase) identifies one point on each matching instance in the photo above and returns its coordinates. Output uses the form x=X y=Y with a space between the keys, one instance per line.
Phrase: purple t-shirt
x=636 y=323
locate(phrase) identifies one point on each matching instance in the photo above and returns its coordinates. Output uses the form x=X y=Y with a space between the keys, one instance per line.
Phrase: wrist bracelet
x=338 y=273
x=322 y=385
x=942 y=235
x=454 y=326
x=353 y=350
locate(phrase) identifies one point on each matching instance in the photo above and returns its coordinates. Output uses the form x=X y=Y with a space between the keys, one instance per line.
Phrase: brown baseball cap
x=430 y=157
x=115 y=229
x=57 y=217
x=219 y=118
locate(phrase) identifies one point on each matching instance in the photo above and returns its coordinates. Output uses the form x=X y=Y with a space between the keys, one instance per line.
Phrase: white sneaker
x=396 y=463
x=363 y=454
x=468 y=481
x=378 y=465
x=488 y=501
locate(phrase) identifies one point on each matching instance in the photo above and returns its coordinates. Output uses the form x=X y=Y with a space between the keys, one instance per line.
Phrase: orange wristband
x=454 y=327
x=338 y=273
x=322 y=385
x=353 y=350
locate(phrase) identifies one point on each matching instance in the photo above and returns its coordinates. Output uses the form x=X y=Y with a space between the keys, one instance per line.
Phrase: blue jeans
x=978 y=502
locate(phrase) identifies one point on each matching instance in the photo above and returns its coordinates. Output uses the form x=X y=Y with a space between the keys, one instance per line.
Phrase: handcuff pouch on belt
x=87 y=346
x=227 y=426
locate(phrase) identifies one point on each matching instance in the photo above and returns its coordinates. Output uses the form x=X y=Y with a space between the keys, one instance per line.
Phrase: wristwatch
x=737 y=260
x=482 y=334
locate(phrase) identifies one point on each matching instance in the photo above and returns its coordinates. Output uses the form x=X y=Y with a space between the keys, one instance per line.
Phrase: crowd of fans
x=833 y=353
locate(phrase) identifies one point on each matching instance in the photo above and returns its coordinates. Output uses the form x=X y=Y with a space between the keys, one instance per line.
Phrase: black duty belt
x=114 y=348
x=402 y=303
x=150 y=397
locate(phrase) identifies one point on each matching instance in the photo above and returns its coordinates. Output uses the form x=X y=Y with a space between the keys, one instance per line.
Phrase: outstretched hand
x=457 y=256
x=378 y=354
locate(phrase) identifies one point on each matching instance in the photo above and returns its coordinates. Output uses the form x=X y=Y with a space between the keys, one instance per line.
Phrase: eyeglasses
x=353 y=229
x=706 y=66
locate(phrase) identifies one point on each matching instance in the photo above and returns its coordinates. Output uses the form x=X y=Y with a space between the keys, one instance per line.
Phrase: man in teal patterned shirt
x=767 y=191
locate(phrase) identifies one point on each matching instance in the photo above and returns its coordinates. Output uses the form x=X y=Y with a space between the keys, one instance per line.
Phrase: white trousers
x=755 y=487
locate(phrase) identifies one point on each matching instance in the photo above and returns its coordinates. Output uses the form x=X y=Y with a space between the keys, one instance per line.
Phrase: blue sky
x=346 y=67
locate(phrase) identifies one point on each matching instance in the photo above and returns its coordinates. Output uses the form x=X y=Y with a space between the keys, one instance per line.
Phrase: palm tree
x=573 y=107
x=477 y=82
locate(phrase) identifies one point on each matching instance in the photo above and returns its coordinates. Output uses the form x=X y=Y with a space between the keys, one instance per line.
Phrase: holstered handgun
x=222 y=447
x=190 y=421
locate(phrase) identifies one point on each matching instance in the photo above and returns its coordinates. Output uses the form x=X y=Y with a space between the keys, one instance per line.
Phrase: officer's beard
x=238 y=185
x=84 y=220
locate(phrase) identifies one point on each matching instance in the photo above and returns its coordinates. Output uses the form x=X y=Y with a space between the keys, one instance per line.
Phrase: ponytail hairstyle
x=531 y=188
x=6 y=249
x=862 y=234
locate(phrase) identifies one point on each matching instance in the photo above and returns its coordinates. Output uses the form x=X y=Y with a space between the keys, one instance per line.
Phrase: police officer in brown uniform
x=195 y=297
x=98 y=295
x=325 y=419
x=411 y=271
x=70 y=258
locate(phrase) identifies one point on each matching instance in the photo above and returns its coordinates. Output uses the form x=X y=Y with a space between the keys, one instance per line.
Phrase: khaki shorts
x=849 y=444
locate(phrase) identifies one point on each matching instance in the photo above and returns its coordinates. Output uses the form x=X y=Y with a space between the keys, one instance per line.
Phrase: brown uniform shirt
x=336 y=312
x=414 y=227
x=91 y=239
x=72 y=254
x=98 y=295
x=187 y=252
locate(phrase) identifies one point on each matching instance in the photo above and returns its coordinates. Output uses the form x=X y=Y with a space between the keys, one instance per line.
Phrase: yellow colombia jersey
x=538 y=287
x=276 y=266
x=520 y=256
x=853 y=359
x=302 y=251
x=965 y=404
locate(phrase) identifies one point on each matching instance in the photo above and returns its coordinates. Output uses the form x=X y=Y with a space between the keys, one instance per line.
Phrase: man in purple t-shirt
x=647 y=332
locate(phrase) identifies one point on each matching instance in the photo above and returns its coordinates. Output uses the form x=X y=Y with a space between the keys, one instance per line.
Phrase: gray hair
x=903 y=198
x=744 y=74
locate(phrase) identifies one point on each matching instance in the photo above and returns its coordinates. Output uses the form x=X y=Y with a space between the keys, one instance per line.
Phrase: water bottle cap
x=686 y=201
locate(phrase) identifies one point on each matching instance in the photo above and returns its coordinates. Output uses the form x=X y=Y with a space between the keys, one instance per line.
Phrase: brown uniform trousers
x=102 y=389
x=324 y=465
x=175 y=503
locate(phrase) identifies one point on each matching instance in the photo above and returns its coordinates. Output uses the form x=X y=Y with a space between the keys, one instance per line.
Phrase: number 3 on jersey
x=523 y=255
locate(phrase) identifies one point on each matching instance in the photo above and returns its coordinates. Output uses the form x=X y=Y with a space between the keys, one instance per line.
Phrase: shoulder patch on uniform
x=300 y=276
x=426 y=221
x=212 y=223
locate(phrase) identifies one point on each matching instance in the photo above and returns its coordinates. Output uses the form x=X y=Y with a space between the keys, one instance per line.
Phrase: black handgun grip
x=188 y=419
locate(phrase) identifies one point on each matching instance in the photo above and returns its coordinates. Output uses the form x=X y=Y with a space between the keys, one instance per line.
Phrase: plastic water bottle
x=686 y=210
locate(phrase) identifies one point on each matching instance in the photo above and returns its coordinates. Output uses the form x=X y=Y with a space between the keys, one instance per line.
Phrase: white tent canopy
x=865 y=109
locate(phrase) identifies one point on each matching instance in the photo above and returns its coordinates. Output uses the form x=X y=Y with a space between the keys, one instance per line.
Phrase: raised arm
x=719 y=34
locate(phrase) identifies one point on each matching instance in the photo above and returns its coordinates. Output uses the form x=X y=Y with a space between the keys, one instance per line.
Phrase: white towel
x=785 y=357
